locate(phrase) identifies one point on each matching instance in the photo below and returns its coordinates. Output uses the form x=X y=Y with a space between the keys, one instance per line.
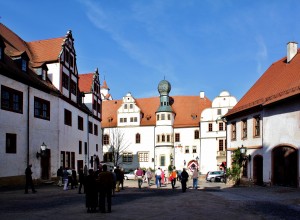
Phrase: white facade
x=213 y=133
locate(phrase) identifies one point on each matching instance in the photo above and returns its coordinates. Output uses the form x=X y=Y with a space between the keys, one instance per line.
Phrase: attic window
x=148 y=117
x=194 y=116
x=24 y=65
x=110 y=119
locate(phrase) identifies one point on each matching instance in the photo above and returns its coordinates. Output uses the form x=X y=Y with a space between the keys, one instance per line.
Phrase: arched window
x=137 y=138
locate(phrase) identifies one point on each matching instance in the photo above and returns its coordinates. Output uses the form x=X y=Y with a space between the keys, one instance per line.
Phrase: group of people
x=161 y=179
x=67 y=177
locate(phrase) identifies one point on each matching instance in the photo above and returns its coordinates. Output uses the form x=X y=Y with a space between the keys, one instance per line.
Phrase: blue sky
x=197 y=45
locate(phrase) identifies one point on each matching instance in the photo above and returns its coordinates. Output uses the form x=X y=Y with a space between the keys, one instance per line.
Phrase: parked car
x=129 y=176
x=212 y=176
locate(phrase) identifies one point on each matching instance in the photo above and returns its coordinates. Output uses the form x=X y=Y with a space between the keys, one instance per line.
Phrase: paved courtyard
x=210 y=201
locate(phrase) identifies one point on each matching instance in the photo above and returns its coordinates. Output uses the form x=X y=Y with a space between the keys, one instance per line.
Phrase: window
x=131 y=106
x=221 y=145
x=94 y=105
x=162 y=116
x=233 y=130
x=244 y=128
x=65 y=81
x=143 y=156
x=85 y=148
x=256 y=126
x=1 y=50
x=219 y=111
x=196 y=134
x=133 y=119
x=73 y=87
x=24 y=65
x=162 y=160
x=106 y=139
x=11 y=100
x=41 y=108
x=71 y=60
x=80 y=147
x=123 y=120
x=125 y=106
x=194 y=149
x=221 y=126
x=96 y=147
x=62 y=159
x=108 y=157
x=157 y=138
x=80 y=123
x=169 y=116
x=95 y=129
x=90 y=127
x=72 y=163
x=157 y=117
x=210 y=127
x=168 y=138
x=127 y=157
x=177 y=137
x=11 y=143
x=68 y=117
x=187 y=149
x=67 y=56
x=163 y=138
x=137 y=138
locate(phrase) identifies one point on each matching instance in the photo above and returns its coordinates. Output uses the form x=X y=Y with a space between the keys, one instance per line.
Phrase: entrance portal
x=258 y=170
x=285 y=166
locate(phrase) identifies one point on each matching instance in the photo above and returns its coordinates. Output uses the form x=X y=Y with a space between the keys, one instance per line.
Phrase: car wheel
x=212 y=179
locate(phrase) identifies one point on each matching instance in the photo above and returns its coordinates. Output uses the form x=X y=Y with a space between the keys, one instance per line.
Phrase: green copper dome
x=164 y=87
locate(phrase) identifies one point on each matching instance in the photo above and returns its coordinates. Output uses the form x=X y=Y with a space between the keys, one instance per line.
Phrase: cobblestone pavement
x=209 y=201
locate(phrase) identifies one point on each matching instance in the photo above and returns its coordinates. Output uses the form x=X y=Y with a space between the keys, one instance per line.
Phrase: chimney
x=201 y=95
x=291 y=51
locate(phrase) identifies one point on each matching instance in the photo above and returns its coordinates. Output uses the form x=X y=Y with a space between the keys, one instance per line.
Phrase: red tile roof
x=184 y=107
x=104 y=86
x=280 y=81
x=46 y=50
x=86 y=82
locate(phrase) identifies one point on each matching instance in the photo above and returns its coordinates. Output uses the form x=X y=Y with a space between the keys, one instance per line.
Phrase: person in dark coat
x=81 y=181
x=29 y=181
x=91 y=194
x=105 y=189
x=184 y=179
x=74 y=182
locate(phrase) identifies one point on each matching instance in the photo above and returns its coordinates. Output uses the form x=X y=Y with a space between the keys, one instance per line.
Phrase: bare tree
x=117 y=145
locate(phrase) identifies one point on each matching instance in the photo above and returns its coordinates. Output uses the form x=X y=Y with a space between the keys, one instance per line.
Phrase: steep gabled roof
x=280 y=81
x=85 y=82
x=187 y=109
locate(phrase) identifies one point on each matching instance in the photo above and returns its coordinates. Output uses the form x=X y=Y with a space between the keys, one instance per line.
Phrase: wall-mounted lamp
x=42 y=152
x=243 y=153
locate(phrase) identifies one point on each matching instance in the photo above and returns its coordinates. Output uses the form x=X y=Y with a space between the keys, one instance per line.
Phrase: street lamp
x=246 y=157
x=42 y=152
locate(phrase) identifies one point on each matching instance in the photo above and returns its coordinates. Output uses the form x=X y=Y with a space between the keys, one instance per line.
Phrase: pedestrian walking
x=29 y=182
x=139 y=175
x=184 y=179
x=162 y=179
x=66 y=178
x=173 y=177
x=195 y=176
x=149 y=176
x=105 y=189
x=91 y=193
x=122 y=178
x=158 y=177
x=59 y=174
x=117 y=171
x=81 y=181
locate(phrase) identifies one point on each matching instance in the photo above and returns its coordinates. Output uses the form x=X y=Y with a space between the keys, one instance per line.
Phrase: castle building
x=164 y=131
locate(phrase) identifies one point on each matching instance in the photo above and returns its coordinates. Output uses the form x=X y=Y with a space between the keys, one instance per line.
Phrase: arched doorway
x=285 y=166
x=258 y=170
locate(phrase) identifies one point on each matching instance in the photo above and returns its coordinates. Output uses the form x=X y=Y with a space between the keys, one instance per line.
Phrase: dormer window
x=24 y=65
